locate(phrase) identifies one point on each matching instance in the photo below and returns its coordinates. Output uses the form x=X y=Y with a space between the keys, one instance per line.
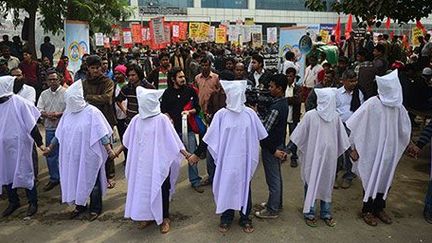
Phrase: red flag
x=348 y=27
x=420 y=26
x=388 y=23
x=338 y=30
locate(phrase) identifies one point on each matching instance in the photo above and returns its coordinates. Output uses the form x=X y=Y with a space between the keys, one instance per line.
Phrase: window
x=166 y=3
x=287 y=4
x=239 y=4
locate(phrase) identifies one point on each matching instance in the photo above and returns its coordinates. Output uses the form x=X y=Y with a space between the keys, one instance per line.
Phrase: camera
x=260 y=98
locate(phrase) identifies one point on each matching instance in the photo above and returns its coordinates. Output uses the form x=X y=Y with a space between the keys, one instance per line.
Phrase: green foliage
x=100 y=14
x=401 y=11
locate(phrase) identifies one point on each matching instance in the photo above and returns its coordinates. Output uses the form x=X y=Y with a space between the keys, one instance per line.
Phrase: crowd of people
x=190 y=101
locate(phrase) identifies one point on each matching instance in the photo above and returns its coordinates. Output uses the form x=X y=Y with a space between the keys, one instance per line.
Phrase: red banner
x=183 y=28
x=136 y=33
x=116 y=35
x=127 y=38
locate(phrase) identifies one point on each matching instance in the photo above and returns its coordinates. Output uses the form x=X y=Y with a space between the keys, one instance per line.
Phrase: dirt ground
x=194 y=219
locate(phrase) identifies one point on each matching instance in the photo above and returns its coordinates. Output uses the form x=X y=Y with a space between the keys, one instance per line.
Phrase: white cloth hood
x=148 y=102
x=6 y=85
x=74 y=98
x=390 y=89
x=235 y=94
x=326 y=103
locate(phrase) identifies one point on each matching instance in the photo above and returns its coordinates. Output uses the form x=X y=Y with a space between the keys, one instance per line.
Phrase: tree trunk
x=31 y=32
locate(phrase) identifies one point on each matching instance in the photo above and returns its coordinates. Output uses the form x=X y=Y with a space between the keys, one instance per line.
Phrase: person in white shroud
x=83 y=136
x=321 y=138
x=153 y=163
x=380 y=132
x=233 y=141
x=18 y=132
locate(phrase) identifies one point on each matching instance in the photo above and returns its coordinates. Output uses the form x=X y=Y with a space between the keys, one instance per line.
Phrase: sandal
x=248 y=228
x=93 y=216
x=330 y=222
x=311 y=222
x=165 y=226
x=223 y=228
x=144 y=224
x=205 y=182
x=75 y=213
x=111 y=183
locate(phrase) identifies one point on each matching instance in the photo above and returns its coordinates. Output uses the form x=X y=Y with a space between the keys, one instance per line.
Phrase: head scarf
x=6 y=86
x=390 y=89
x=121 y=68
x=148 y=102
x=235 y=94
x=326 y=99
x=74 y=98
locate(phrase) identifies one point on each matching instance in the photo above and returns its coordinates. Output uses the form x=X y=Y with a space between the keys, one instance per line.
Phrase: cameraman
x=272 y=153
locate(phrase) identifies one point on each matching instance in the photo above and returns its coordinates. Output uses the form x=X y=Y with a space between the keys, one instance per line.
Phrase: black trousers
x=121 y=127
x=166 y=186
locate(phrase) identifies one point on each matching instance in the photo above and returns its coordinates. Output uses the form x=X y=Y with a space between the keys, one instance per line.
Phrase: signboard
x=194 y=29
x=416 y=32
x=256 y=40
x=272 y=35
x=136 y=33
x=220 y=35
x=76 y=42
x=289 y=41
x=158 y=30
x=99 y=39
x=127 y=38
x=162 y=11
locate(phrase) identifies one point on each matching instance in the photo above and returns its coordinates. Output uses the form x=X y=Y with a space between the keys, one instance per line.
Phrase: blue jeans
x=428 y=201
x=14 y=198
x=228 y=216
x=95 y=199
x=193 y=173
x=272 y=170
x=325 y=209
x=52 y=158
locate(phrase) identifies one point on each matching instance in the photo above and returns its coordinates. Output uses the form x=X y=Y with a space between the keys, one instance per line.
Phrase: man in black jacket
x=272 y=154
x=259 y=77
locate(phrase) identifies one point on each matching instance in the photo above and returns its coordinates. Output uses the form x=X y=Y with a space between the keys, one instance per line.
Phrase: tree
x=402 y=11
x=100 y=14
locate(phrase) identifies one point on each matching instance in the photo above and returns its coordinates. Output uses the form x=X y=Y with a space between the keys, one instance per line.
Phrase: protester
x=318 y=158
x=18 y=134
x=158 y=77
x=310 y=77
x=151 y=178
x=47 y=49
x=83 y=135
x=379 y=148
x=259 y=77
x=236 y=160
x=52 y=104
x=12 y=61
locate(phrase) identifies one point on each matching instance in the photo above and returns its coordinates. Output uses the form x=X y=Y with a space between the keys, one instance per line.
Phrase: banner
x=234 y=32
x=313 y=30
x=76 y=42
x=256 y=40
x=106 y=43
x=212 y=33
x=326 y=31
x=157 y=30
x=289 y=41
x=127 y=38
x=416 y=32
x=99 y=39
x=194 y=30
x=116 y=35
x=136 y=33
x=246 y=33
x=183 y=27
x=204 y=30
x=175 y=31
x=167 y=33
x=272 y=35
x=220 y=35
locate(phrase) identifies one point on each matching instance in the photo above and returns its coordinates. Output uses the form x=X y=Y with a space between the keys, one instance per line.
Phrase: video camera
x=260 y=98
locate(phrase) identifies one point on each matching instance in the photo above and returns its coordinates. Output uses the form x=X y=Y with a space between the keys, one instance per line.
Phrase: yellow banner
x=194 y=30
x=416 y=32
x=220 y=34
x=324 y=35
x=204 y=30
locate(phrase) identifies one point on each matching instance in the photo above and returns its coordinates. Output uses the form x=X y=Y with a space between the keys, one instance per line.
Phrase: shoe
x=370 y=219
x=206 y=182
x=74 y=214
x=384 y=217
x=346 y=183
x=31 y=210
x=50 y=186
x=198 y=189
x=265 y=214
x=165 y=226
x=294 y=163
x=10 y=209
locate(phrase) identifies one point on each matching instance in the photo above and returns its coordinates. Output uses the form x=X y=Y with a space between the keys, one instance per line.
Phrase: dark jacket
x=99 y=92
x=277 y=133
x=295 y=101
x=264 y=79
